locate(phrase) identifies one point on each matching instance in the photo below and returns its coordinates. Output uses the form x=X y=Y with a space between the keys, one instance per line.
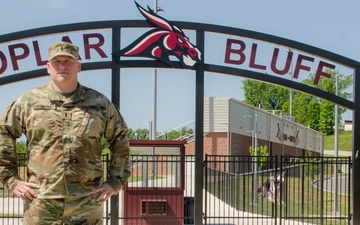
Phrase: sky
x=327 y=24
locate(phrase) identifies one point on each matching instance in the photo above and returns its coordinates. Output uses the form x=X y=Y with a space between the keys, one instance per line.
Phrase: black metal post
x=199 y=132
x=356 y=150
x=115 y=98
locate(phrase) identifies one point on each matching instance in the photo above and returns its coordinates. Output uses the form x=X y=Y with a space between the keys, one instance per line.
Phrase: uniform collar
x=54 y=96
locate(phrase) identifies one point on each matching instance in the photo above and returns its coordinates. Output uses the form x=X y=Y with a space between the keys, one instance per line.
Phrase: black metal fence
x=277 y=190
x=237 y=190
x=12 y=208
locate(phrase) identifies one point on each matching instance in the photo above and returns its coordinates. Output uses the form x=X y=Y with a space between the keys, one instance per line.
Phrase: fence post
x=115 y=98
x=114 y=210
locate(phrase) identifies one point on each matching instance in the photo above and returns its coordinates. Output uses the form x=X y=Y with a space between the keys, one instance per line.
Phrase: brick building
x=231 y=127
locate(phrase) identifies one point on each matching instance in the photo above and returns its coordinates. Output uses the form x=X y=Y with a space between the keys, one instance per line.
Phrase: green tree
x=310 y=167
x=176 y=134
x=267 y=96
x=308 y=110
x=317 y=113
x=143 y=134
x=262 y=155
x=20 y=147
x=139 y=134
x=104 y=143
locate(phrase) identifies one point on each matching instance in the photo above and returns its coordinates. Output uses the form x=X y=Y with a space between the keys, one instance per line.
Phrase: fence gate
x=155 y=192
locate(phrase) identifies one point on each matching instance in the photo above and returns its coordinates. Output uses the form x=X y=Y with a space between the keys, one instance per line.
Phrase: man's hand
x=106 y=192
x=24 y=190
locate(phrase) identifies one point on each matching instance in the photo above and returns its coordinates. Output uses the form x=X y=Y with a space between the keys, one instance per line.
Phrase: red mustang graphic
x=162 y=42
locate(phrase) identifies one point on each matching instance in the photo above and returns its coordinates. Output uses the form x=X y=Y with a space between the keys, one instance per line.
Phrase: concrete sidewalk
x=340 y=153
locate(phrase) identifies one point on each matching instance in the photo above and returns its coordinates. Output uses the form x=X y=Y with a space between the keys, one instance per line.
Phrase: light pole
x=336 y=154
x=256 y=158
x=154 y=120
x=321 y=147
x=153 y=124
x=291 y=76
x=254 y=146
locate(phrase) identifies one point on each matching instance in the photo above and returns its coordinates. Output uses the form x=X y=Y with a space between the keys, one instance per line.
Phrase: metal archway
x=200 y=69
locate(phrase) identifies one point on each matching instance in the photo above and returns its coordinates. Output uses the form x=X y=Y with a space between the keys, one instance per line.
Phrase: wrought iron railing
x=285 y=190
x=297 y=189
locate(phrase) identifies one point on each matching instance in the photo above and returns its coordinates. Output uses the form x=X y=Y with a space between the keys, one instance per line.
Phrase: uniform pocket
x=41 y=122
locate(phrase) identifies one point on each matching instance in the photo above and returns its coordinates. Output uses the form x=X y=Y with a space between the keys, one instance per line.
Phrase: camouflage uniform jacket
x=64 y=142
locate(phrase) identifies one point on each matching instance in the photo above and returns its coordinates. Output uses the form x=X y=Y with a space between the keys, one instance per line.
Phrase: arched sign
x=168 y=44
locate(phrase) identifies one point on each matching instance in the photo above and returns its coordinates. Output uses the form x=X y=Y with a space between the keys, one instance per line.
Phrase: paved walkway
x=340 y=153
x=224 y=214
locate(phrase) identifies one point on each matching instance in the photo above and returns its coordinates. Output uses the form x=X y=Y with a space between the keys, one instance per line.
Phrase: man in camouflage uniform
x=64 y=123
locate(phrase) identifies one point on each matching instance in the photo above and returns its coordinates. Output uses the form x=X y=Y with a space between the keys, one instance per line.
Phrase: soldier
x=64 y=123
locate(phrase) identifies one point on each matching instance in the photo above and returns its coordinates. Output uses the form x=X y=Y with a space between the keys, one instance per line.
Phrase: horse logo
x=162 y=42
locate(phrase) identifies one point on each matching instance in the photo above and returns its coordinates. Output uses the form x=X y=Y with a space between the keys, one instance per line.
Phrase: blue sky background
x=327 y=24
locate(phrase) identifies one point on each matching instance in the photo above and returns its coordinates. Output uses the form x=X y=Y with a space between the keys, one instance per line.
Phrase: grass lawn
x=344 y=141
x=303 y=201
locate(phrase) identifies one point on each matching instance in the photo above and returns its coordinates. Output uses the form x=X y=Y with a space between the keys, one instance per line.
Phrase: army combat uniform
x=64 y=142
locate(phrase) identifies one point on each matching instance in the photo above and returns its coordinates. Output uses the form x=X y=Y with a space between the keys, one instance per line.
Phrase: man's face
x=63 y=69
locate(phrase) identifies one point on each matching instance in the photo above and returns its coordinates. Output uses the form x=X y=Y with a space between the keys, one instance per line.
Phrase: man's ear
x=48 y=67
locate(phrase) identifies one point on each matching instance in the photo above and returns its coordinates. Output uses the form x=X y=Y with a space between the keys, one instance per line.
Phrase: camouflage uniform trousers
x=69 y=211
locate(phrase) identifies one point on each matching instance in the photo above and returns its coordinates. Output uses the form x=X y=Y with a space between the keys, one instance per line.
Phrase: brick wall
x=216 y=144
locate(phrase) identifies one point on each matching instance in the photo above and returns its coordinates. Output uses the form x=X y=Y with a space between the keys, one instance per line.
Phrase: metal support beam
x=199 y=133
x=356 y=150
x=115 y=98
